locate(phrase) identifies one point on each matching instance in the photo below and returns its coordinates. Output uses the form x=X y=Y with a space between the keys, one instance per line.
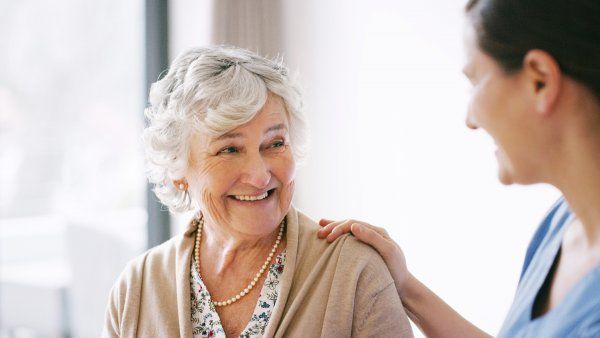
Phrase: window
x=72 y=185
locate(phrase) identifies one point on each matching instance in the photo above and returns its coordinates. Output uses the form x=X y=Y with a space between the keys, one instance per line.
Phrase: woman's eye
x=228 y=150
x=278 y=144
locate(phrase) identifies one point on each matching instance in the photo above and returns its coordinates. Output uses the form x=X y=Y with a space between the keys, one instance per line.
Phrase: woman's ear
x=544 y=77
x=181 y=184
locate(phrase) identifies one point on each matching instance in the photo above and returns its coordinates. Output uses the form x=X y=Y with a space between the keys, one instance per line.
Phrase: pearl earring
x=181 y=186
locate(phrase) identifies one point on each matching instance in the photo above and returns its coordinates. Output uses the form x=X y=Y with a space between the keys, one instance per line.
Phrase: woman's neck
x=577 y=175
x=227 y=249
x=583 y=196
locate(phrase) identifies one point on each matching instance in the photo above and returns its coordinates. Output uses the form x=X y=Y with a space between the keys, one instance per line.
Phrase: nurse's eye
x=228 y=150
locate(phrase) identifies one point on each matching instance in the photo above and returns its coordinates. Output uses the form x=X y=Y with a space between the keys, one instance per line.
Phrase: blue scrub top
x=578 y=314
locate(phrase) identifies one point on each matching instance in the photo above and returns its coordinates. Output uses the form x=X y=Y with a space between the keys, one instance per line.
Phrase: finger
x=325 y=230
x=339 y=230
x=324 y=221
x=379 y=230
x=371 y=236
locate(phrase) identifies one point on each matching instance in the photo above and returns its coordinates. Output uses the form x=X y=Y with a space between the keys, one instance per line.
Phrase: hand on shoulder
x=374 y=236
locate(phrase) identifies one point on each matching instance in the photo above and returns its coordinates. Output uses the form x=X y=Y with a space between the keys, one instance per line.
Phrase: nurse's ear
x=544 y=78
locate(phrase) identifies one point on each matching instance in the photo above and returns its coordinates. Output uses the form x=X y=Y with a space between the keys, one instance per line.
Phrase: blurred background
x=385 y=100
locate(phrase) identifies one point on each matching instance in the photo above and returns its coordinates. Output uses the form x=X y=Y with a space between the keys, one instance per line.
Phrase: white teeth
x=251 y=198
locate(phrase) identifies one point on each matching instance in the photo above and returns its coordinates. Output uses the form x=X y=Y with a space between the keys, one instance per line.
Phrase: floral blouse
x=205 y=319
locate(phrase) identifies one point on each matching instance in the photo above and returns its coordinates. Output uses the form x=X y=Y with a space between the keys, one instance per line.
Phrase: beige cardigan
x=341 y=289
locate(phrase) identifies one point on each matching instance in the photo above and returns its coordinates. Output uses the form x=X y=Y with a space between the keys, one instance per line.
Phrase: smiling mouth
x=249 y=198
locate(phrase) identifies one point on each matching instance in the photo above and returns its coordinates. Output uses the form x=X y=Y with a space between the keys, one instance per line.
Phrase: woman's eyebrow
x=228 y=136
x=231 y=135
x=276 y=127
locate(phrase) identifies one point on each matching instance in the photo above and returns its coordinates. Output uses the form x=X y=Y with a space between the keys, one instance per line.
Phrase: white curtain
x=255 y=25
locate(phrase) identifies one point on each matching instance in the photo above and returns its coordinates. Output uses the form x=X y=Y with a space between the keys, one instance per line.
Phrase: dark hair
x=569 y=30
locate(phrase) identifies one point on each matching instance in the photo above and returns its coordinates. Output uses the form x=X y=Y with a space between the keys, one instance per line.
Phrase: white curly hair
x=211 y=90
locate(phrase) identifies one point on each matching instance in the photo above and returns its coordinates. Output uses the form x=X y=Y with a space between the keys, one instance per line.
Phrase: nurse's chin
x=505 y=175
x=505 y=179
x=509 y=176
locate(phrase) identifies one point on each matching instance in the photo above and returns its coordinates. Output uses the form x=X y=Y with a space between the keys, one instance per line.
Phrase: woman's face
x=499 y=104
x=244 y=179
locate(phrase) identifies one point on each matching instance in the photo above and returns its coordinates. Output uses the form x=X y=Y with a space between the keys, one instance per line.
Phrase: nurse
x=535 y=71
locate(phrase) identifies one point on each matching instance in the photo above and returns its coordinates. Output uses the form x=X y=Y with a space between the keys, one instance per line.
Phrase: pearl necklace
x=246 y=290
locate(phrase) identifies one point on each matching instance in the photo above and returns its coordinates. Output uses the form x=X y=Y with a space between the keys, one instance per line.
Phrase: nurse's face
x=501 y=105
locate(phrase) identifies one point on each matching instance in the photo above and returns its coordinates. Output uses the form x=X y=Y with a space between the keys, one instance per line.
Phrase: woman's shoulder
x=154 y=261
x=351 y=254
x=308 y=229
x=362 y=257
x=166 y=252
x=549 y=228
x=157 y=264
x=307 y=237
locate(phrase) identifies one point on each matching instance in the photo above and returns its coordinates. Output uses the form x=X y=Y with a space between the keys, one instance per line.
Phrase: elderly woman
x=226 y=129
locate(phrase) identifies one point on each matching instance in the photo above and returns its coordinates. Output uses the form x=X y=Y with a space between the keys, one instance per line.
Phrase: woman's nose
x=257 y=172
